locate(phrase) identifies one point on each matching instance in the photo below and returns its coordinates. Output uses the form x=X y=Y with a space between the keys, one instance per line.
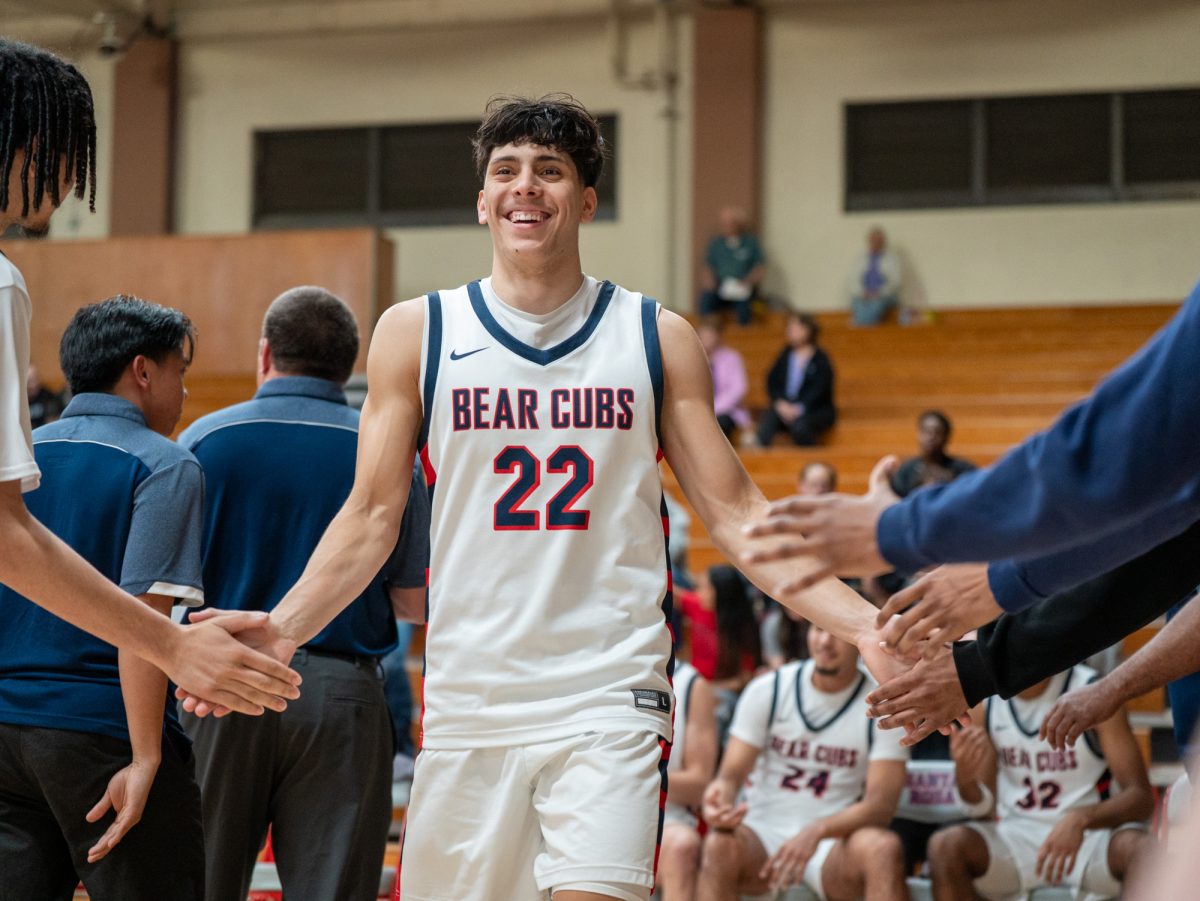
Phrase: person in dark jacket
x=800 y=386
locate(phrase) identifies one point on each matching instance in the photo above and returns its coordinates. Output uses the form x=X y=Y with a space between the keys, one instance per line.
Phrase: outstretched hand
x=206 y=662
x=836 y=530
x=126 y=794
x=943 y=605
x=1078 y=711
x=925 y=699
x=257 y=634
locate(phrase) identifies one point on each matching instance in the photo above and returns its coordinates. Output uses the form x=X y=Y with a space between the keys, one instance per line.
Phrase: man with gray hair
x=278 y=467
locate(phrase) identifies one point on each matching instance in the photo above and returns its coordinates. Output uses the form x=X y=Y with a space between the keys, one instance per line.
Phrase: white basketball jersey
x=809 y=769
x=1033 y=780
x=549 y=588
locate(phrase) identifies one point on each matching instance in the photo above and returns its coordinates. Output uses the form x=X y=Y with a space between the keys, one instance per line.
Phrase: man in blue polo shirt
x=82 y=724
x=278 y=468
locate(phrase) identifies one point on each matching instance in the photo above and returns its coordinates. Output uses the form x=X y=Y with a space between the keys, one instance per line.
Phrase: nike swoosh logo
x=454 y=355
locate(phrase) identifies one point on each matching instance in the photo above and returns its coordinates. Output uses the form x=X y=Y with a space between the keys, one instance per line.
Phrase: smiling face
x=533 y=202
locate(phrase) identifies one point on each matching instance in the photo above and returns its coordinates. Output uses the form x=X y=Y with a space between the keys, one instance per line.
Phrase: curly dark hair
x=47 y=102
x=555 y=120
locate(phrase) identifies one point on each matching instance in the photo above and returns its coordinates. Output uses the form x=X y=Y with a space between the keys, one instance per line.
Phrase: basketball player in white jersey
x=823 y=785
x=539 y=400
x=1057 y=810
x=693 y=762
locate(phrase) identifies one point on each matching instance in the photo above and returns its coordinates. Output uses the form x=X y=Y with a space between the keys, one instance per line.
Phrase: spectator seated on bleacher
x=823 y=784
x=799 y=386
x=932 y=466
x=728 y=375
x=1048 y=817
x=733 y=267
x=693 y=761
x=874 y=281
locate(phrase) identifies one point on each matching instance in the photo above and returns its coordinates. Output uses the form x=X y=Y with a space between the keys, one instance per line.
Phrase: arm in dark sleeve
x=777 y=376
x=1018 y=583
x=817 y=391
x=1085 y=476
x=1020 y=649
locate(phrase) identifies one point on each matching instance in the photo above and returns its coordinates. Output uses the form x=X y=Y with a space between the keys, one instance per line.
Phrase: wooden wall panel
x=223 y=283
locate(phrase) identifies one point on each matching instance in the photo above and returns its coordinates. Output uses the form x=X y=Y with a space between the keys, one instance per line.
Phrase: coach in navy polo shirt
x=81 y=723
x=278 y=468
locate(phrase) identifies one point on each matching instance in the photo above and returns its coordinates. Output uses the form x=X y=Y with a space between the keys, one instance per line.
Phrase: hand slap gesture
x=837 y=530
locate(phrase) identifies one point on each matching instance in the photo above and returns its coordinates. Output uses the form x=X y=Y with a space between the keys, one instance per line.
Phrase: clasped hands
x=838 y=533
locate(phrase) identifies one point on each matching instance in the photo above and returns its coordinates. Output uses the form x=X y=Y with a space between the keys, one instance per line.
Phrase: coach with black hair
x=82 y=723
x=278 y=467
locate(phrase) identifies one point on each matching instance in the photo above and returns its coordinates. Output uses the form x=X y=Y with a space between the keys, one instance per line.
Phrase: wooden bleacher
x=998 y=374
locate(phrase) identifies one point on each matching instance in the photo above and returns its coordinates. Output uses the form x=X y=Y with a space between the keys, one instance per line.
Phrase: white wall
x=229 y=88
x=822 y=55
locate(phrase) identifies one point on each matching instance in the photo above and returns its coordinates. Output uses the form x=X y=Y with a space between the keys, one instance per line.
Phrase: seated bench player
x=1058 y=811
x=825 y=784
x=693 y=760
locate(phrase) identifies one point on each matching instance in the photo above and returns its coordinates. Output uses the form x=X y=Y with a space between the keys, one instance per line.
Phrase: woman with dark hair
x=800 y=386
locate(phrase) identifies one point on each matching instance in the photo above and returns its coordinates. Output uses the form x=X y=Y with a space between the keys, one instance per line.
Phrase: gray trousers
x=320 y=774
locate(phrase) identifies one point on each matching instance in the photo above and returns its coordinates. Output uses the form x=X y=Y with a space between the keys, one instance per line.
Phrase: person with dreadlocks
x=540 y=400
x=47 y=150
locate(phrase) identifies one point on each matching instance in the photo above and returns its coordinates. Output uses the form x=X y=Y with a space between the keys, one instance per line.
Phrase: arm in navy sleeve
x=1018 y=583
x=1020 y=649
x=1126 y=450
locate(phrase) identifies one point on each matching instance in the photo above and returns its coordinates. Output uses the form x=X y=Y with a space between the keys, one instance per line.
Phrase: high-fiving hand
x=838 y=530
x=943 y=605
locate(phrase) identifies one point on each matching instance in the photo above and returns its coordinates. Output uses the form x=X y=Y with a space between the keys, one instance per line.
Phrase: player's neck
x=1034 y=691
x=538 y=287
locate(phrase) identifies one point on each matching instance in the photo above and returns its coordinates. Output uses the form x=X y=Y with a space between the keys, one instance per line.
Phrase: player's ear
x=481 y=210
x=590 y=202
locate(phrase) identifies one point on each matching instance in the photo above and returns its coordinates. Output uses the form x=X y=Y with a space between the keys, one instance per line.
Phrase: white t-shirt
x=542 y=330
x=16 y=443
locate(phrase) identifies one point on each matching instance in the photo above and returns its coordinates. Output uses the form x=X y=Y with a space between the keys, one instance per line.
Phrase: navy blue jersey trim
x=774 y=700
x=433 y=358
x=653 y=358
x=813 y=727
x=1012 y=709
x=532 y=354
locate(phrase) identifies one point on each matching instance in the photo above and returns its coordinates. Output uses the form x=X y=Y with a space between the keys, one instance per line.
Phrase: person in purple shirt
x=728 y=375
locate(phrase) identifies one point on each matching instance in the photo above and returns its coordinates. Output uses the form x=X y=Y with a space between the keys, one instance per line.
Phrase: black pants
x=805 y=428
x=320 y=774
x=50 y=779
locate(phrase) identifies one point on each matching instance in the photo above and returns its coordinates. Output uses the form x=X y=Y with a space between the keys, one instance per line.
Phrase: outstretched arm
x=360 y=538
x=1076 y=482
x=205 y=660
x=1172 y=654
x=726 y=499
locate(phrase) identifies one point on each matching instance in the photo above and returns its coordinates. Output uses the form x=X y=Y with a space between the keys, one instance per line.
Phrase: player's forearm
x=1129 y=805
x=1172 y=654
x=687 y=786
x=38 y=565
x=350 y=554
x=862 y=813
x=830 y=604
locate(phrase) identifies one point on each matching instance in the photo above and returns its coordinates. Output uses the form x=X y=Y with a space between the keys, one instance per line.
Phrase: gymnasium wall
x=231 y=88
x=821 y=55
